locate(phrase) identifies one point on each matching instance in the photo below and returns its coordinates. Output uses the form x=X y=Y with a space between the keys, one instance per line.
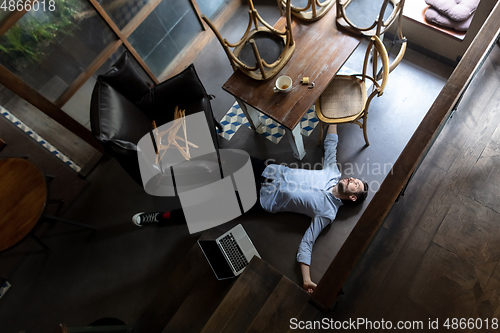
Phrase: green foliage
x=29 y=38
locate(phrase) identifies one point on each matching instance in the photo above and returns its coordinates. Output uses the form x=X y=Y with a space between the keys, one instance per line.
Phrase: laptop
x=229 y=254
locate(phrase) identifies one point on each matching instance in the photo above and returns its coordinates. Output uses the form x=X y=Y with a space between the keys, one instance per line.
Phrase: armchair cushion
x=184 y=90
x=116 y=120
x=124 y=77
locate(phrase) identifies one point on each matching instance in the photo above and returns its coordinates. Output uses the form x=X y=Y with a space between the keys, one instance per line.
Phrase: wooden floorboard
x=199 y=305
x=401 y=273
x=286 y=302
x=402 y=219
x=483 y=127
x=163 y=308
x=438 y=254
x=429 y=129
x=308 y=313
x=245 y=299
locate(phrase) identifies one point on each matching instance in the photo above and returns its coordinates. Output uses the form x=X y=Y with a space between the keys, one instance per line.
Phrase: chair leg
x=367 y=143
x=39 y=241
x=58 y=219
x=320 y=136
x=218 y=125
x=59 y=203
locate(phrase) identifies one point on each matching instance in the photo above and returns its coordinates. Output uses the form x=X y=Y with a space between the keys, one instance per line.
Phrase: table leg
x=39 y=241
x=295 y=138
x=251 y=113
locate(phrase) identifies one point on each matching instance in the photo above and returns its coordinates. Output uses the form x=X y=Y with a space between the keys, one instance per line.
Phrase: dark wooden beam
x=17 y=86
x=416 y=149
x=10 y=20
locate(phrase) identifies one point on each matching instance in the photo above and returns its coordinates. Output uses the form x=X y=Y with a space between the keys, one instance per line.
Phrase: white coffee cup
x=283 y=83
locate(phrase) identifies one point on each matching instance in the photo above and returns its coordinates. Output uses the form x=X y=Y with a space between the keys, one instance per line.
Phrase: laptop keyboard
x=233 y=252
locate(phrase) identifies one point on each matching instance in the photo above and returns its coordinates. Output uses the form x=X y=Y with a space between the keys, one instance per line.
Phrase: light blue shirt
x=306 y=192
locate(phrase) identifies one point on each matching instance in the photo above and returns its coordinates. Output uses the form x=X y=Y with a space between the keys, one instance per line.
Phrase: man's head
x=352 y=190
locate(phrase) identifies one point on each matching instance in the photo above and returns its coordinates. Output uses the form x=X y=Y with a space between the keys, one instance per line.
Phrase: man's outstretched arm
x=308 y=285
x=318 y=223
x=330 y=145
x=332 y=129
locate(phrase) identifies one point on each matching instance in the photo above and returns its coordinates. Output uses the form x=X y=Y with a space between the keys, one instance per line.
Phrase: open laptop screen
x=216 y=259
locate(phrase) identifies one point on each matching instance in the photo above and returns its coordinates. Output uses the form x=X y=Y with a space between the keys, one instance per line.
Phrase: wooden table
x=320 y=51
x=23 y=194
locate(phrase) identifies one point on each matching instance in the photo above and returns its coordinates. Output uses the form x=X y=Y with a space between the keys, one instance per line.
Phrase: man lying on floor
x=315 y=193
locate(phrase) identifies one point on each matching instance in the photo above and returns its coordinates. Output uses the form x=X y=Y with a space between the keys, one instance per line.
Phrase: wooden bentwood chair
x=317 y=9
x=363 y=15
x=346 y=99
x=262 y=51
x=366 y=22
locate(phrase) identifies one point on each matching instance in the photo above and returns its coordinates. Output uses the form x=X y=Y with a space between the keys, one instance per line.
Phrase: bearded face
x=350 y=186
x=341 y=186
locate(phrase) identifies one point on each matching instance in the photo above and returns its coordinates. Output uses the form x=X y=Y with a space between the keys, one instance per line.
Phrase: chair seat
x=270 y=47
x=364 y=12
x=344 y=97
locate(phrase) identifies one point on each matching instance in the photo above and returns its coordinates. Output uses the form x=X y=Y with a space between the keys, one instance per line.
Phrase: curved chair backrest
x=402 y=50
x=378 y=25
x=379 y=52
x=374 y=26
x=249 y=54
x=313 y=11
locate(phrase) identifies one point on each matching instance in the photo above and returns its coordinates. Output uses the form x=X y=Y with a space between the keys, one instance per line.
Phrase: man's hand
x=332 y=128
x=309 y=286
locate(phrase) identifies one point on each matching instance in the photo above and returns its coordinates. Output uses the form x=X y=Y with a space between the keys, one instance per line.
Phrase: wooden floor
x=437 y=254
x=260 y=300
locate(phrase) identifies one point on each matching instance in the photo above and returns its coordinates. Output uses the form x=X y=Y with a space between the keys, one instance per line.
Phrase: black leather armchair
x=123 y=106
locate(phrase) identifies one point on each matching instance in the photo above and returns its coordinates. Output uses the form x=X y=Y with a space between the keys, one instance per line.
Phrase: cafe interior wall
x=452 y=49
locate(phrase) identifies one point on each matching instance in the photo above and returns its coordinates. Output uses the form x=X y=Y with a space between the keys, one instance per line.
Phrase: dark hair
x=360 y=196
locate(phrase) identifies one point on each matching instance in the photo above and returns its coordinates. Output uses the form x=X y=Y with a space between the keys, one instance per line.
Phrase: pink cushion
x=434 y=16
x=457 y=10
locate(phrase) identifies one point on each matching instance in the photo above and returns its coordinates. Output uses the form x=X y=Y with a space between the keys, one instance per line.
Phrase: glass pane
x=122 y=11
x=210 y=8
x=164 y=33
x=49 y=50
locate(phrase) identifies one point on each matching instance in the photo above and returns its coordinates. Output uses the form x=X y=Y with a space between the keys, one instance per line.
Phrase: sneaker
x=140 y=219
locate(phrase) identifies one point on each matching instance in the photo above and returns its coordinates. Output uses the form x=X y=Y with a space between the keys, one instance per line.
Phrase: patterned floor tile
x=273 y=131
x=9 y=116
